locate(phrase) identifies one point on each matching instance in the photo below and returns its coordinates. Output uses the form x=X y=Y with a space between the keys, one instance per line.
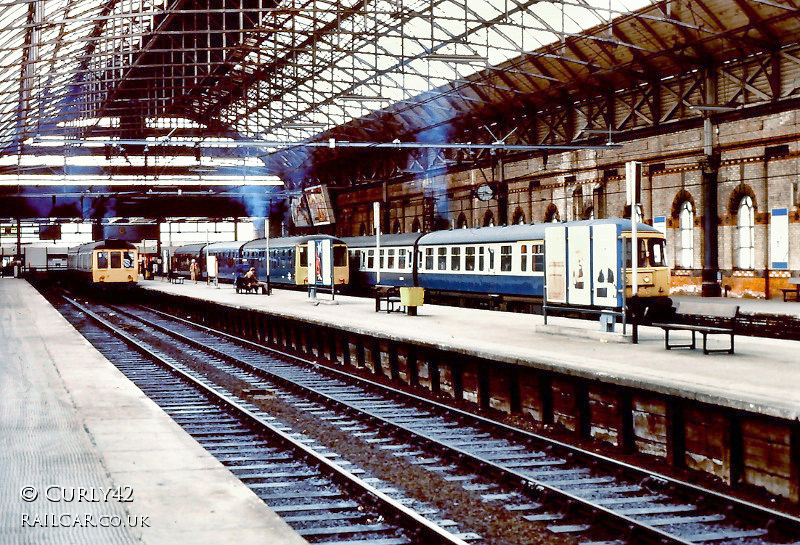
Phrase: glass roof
x=282 y=70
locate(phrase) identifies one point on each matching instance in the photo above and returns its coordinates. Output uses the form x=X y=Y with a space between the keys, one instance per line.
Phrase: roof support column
x=710 y=172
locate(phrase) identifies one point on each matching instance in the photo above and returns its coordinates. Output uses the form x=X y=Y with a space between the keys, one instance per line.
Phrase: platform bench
x=242 y=286
x=704 y=318
x=389 y=297
x=795 y=281
x=177 y=279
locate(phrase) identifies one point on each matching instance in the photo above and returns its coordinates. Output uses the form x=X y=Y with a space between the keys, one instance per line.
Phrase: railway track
x=323 y=499
x=567 y=490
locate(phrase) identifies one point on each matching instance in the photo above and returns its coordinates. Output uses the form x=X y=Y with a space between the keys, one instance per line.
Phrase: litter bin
x=411 y=298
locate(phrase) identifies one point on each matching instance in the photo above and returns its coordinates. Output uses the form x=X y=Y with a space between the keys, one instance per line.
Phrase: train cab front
x=651 y=299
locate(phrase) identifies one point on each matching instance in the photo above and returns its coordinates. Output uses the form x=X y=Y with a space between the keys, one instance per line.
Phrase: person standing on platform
x=194 y=270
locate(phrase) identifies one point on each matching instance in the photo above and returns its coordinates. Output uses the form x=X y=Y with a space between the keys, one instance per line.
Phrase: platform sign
x=320 y=262
x=605 y=266
x=555 y=243
x=779 y=238
x=579 y=265
x=211 y=266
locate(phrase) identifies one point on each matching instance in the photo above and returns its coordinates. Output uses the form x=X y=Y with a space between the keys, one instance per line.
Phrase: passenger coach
x=107 y=263
x=506 y=265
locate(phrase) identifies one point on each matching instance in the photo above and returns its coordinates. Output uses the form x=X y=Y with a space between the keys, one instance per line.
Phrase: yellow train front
x=109 y=264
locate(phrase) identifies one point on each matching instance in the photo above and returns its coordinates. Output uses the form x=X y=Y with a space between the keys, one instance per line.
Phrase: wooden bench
x=704 y=318
x=794 y=281
x=390 y=295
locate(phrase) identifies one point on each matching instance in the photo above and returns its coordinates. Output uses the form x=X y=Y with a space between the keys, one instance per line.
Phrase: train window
x=401 y=259
x=116 y=260
x=382 y=258
x=102 y=260
x=469 y=258
x=127 y=260
x=642 y=254
x=339 y=256
x=656 y=252
x=304 y=256
x=455 y=258
x=429 y=259
x=481 y=262
x=371 y=259
x=538 y=257
x=441 y=262
x=505 y=258
x=491 y=259
x=523 y=258
x=390 y=259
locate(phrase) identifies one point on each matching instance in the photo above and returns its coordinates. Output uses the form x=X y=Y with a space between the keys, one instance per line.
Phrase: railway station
x=398 y=272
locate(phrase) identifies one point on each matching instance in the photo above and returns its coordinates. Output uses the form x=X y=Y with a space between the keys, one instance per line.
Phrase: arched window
x=519 y=217
x=396 y=228
x=416 y=227
x=362 y=230
x=488 y=219
x=552 y=215
x=588 y=214
x=686 y=223
x=577 y=202
x=746 y=230
x=461 y=223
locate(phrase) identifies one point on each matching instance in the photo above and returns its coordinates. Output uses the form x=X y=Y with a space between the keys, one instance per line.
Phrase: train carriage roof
x=109 y=244
x=232 y=246
x=190 y=249
x=403 y=239
x=513 y=233
x=283 y=242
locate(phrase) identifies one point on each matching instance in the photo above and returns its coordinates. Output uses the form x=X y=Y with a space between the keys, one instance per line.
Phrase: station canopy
x=151 y=83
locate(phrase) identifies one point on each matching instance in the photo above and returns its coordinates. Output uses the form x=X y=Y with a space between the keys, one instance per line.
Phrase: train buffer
x=704 y=318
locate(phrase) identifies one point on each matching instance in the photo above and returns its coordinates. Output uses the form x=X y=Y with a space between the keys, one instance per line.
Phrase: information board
x=555 y=241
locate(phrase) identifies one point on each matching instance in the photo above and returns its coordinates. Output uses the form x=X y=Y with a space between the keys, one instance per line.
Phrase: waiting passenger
x=251 y=280
x=194 y=270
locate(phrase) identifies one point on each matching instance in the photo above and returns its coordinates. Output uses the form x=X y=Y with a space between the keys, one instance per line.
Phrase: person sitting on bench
x=250 y=280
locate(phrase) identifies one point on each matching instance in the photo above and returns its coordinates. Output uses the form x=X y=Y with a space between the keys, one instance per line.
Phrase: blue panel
x=780 y=211
x=780 y=265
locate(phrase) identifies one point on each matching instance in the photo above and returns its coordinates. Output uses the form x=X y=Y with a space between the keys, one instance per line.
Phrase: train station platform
x=760 y=378
x=73 y=428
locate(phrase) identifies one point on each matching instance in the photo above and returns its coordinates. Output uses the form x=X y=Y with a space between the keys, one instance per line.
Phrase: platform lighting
x=712 y=107
x=362 y=98
x=600 y=131
x=774 y=4
x=304 y=125
x=458 y=58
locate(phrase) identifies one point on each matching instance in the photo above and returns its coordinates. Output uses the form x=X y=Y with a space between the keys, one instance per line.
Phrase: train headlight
x=102 y=279
x=647 y=279
x=130 y=278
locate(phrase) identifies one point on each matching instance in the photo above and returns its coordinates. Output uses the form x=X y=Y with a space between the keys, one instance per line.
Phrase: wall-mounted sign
x=300 y=215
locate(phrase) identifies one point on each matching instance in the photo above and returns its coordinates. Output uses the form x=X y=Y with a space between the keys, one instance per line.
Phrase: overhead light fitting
x=363 y=98
x=457 y=58
x=301 y=126
x=600 y=131
x=712 y=107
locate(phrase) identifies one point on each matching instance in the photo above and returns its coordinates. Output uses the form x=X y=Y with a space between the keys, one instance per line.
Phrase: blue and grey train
x=288 y=259
x=503 y=267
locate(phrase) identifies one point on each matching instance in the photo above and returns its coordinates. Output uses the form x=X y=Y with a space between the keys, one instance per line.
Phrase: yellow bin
x=412 y=296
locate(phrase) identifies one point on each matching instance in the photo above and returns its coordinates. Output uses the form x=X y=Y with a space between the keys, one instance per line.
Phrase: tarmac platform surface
x=69 y=420
x=761 y=377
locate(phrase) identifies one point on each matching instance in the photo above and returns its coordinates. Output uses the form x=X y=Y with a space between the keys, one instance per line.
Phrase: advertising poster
x=299 y=211
x=579 y=267
x=319 y=205
x=320 y=252
x=605 y=271
x=555 y=264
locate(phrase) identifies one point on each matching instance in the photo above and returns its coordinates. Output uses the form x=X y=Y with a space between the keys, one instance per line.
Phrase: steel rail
x=412 y=520
x=659 y=535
